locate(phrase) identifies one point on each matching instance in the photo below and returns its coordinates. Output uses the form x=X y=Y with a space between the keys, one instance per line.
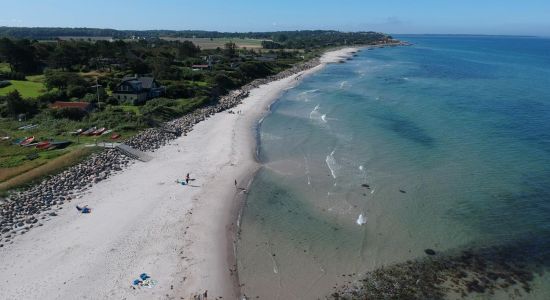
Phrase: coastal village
x=216 y=150
x=113 y=123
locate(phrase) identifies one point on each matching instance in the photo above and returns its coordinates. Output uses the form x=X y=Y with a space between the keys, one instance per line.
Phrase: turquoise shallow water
x=441 y=145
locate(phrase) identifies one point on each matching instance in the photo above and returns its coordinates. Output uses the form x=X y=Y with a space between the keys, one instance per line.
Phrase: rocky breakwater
x=26 y=209
x=29 y=208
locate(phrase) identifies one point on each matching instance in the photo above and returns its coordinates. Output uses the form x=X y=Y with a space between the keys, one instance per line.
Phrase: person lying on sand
x=84 y=209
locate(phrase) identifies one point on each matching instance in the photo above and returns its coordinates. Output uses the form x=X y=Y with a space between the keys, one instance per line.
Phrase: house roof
x=146 y=81
x=63 y=104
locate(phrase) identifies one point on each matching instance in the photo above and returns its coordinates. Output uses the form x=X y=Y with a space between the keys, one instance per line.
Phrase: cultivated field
x=213 y=43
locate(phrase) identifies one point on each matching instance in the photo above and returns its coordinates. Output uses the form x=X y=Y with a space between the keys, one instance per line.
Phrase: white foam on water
x=309 y=92
x=361 y=220
x=314 y=111
x=343 y=84
x=305 y=95
x=261 y=120
x=307 y=170
x=361 y=168
x=324 y=118
x=331 y=164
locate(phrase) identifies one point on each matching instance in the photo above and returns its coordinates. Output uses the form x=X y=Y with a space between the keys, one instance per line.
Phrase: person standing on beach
x=235 y=183
x=187 y=178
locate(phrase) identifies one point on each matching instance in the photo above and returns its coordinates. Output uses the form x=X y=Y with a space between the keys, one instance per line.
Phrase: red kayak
x=115 y=136
x=27 y=141
x=43 y=145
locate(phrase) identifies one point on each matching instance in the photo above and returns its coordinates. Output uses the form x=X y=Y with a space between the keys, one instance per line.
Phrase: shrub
x=112 y=101
x=179 y=90
x=52 y=96
x=70 y=113
x=15 y=105
x=13 y=76
x=76 y=91
x=255 y=69
x=4 y=83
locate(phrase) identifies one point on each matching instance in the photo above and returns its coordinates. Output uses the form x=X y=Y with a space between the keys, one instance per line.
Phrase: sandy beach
x=142 y=221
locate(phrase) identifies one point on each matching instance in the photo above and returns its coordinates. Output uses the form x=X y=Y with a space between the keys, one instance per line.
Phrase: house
x=138 y=89
x=200 y=67
x=83 y=106
x=267 y=57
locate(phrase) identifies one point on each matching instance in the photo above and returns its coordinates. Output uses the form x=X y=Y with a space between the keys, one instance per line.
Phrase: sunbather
x=84 y=209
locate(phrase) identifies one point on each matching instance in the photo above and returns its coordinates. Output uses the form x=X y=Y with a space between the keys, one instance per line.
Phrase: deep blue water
x=452 y=137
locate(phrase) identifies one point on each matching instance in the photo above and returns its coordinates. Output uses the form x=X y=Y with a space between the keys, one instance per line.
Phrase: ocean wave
x=324 y=118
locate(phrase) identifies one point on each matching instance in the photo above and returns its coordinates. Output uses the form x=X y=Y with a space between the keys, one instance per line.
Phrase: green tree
x=19 y=54
x=230 y=49
x=61 y=80
x=187 y=49
x=16 y=105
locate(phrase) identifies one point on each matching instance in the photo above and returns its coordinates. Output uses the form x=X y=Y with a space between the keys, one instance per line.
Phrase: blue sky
x=530 y=17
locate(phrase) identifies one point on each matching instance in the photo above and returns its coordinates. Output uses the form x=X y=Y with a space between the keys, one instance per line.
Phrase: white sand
x=142 y=221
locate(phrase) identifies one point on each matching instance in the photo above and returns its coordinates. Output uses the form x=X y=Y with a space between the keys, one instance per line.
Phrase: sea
x=401 y=156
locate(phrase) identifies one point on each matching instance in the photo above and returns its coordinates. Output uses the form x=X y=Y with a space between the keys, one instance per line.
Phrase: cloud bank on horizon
x=392 y=16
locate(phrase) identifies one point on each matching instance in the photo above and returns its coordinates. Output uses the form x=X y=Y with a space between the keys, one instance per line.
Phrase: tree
x=230 y=49
x=61 y=80
x=271 y=45
x=187 y=49
x=252 y=69
x=223 y=82
x=19 y=54
x=64 y=56
x=16 y=105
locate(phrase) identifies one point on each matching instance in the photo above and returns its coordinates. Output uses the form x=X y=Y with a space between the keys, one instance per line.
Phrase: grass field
x=207 y=43
x=130 y=108
x=4 y=68
x=27 y=174
x=26 y=88
x=16 y=169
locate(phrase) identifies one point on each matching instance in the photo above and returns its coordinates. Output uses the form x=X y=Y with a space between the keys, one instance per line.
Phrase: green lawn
x=25 y=87
x=130 y=108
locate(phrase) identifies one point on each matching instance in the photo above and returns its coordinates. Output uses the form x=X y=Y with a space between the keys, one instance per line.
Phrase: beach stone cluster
x=23 y=210
x=508 y=269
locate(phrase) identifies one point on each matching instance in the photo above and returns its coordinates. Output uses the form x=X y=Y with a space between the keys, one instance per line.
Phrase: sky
x=507 y=17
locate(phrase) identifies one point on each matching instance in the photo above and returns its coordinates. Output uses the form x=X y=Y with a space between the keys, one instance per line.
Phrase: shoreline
x=142 y=221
